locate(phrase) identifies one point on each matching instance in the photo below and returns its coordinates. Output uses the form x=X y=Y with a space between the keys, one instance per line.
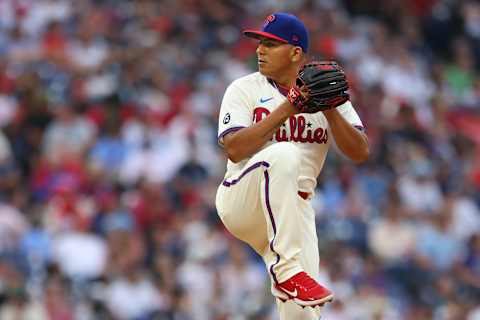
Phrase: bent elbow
x=232 y=155
x=362 y=157
x=233 y=158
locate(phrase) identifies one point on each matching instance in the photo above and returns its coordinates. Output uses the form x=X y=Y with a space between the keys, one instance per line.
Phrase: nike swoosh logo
x=293 y=293
x=265 y=100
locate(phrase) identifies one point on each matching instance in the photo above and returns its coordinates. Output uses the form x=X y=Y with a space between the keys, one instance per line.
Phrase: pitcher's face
x=274 y=57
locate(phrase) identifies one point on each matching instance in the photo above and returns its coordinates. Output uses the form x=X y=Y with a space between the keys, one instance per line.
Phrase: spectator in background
x=79 y=254
x=13 y=226
x=108 y=154
x=69 y=135
x=58 y=298
x=437 y=250
x=242 y=284
x=392 y=238
x=468 y=269
x=18 y=306
x=417 y=187
x=133 y=296
x=17 y=303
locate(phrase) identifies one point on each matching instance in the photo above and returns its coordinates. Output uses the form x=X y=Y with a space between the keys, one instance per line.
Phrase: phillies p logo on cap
x=283 y=27
x=268 y=20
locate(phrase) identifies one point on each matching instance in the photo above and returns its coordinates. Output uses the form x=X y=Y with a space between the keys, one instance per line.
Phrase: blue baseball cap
x=283 y=27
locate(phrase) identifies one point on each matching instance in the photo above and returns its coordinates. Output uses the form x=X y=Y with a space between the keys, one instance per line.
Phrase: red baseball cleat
x=304 y=291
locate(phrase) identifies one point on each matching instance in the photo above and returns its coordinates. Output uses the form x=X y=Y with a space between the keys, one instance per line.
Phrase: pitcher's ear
x=297 y=54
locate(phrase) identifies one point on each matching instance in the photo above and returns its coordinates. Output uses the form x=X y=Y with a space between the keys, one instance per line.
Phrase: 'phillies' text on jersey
x=299 y=129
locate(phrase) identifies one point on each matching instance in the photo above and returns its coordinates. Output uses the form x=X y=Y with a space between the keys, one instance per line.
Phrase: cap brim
x=261 y=34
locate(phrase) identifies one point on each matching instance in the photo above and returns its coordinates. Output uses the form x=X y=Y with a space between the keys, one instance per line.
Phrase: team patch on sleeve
x=227 y=118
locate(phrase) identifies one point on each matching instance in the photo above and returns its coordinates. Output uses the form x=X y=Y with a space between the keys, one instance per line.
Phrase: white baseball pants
x=261 y=207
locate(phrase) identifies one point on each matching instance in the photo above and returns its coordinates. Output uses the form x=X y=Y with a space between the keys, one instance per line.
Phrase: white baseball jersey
x=251 y=98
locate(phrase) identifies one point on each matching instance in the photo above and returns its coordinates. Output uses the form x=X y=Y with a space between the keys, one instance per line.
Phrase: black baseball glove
x=325 y=85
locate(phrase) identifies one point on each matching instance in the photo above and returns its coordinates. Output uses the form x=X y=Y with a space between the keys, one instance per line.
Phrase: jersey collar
x=282 y=89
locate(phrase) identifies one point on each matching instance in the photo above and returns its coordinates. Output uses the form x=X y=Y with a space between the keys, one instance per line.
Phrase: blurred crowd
x=109 y=160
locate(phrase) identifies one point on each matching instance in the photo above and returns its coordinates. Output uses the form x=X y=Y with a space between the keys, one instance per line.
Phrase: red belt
x=304 y=195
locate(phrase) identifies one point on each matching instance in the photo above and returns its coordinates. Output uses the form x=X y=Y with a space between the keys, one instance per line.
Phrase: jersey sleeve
x=236 y=111
x=349 y=113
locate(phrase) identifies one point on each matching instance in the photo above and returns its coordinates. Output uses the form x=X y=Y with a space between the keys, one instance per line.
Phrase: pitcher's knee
x=285 y=155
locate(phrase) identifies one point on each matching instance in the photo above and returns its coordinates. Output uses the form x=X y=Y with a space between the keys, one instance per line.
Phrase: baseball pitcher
x=276 y=126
